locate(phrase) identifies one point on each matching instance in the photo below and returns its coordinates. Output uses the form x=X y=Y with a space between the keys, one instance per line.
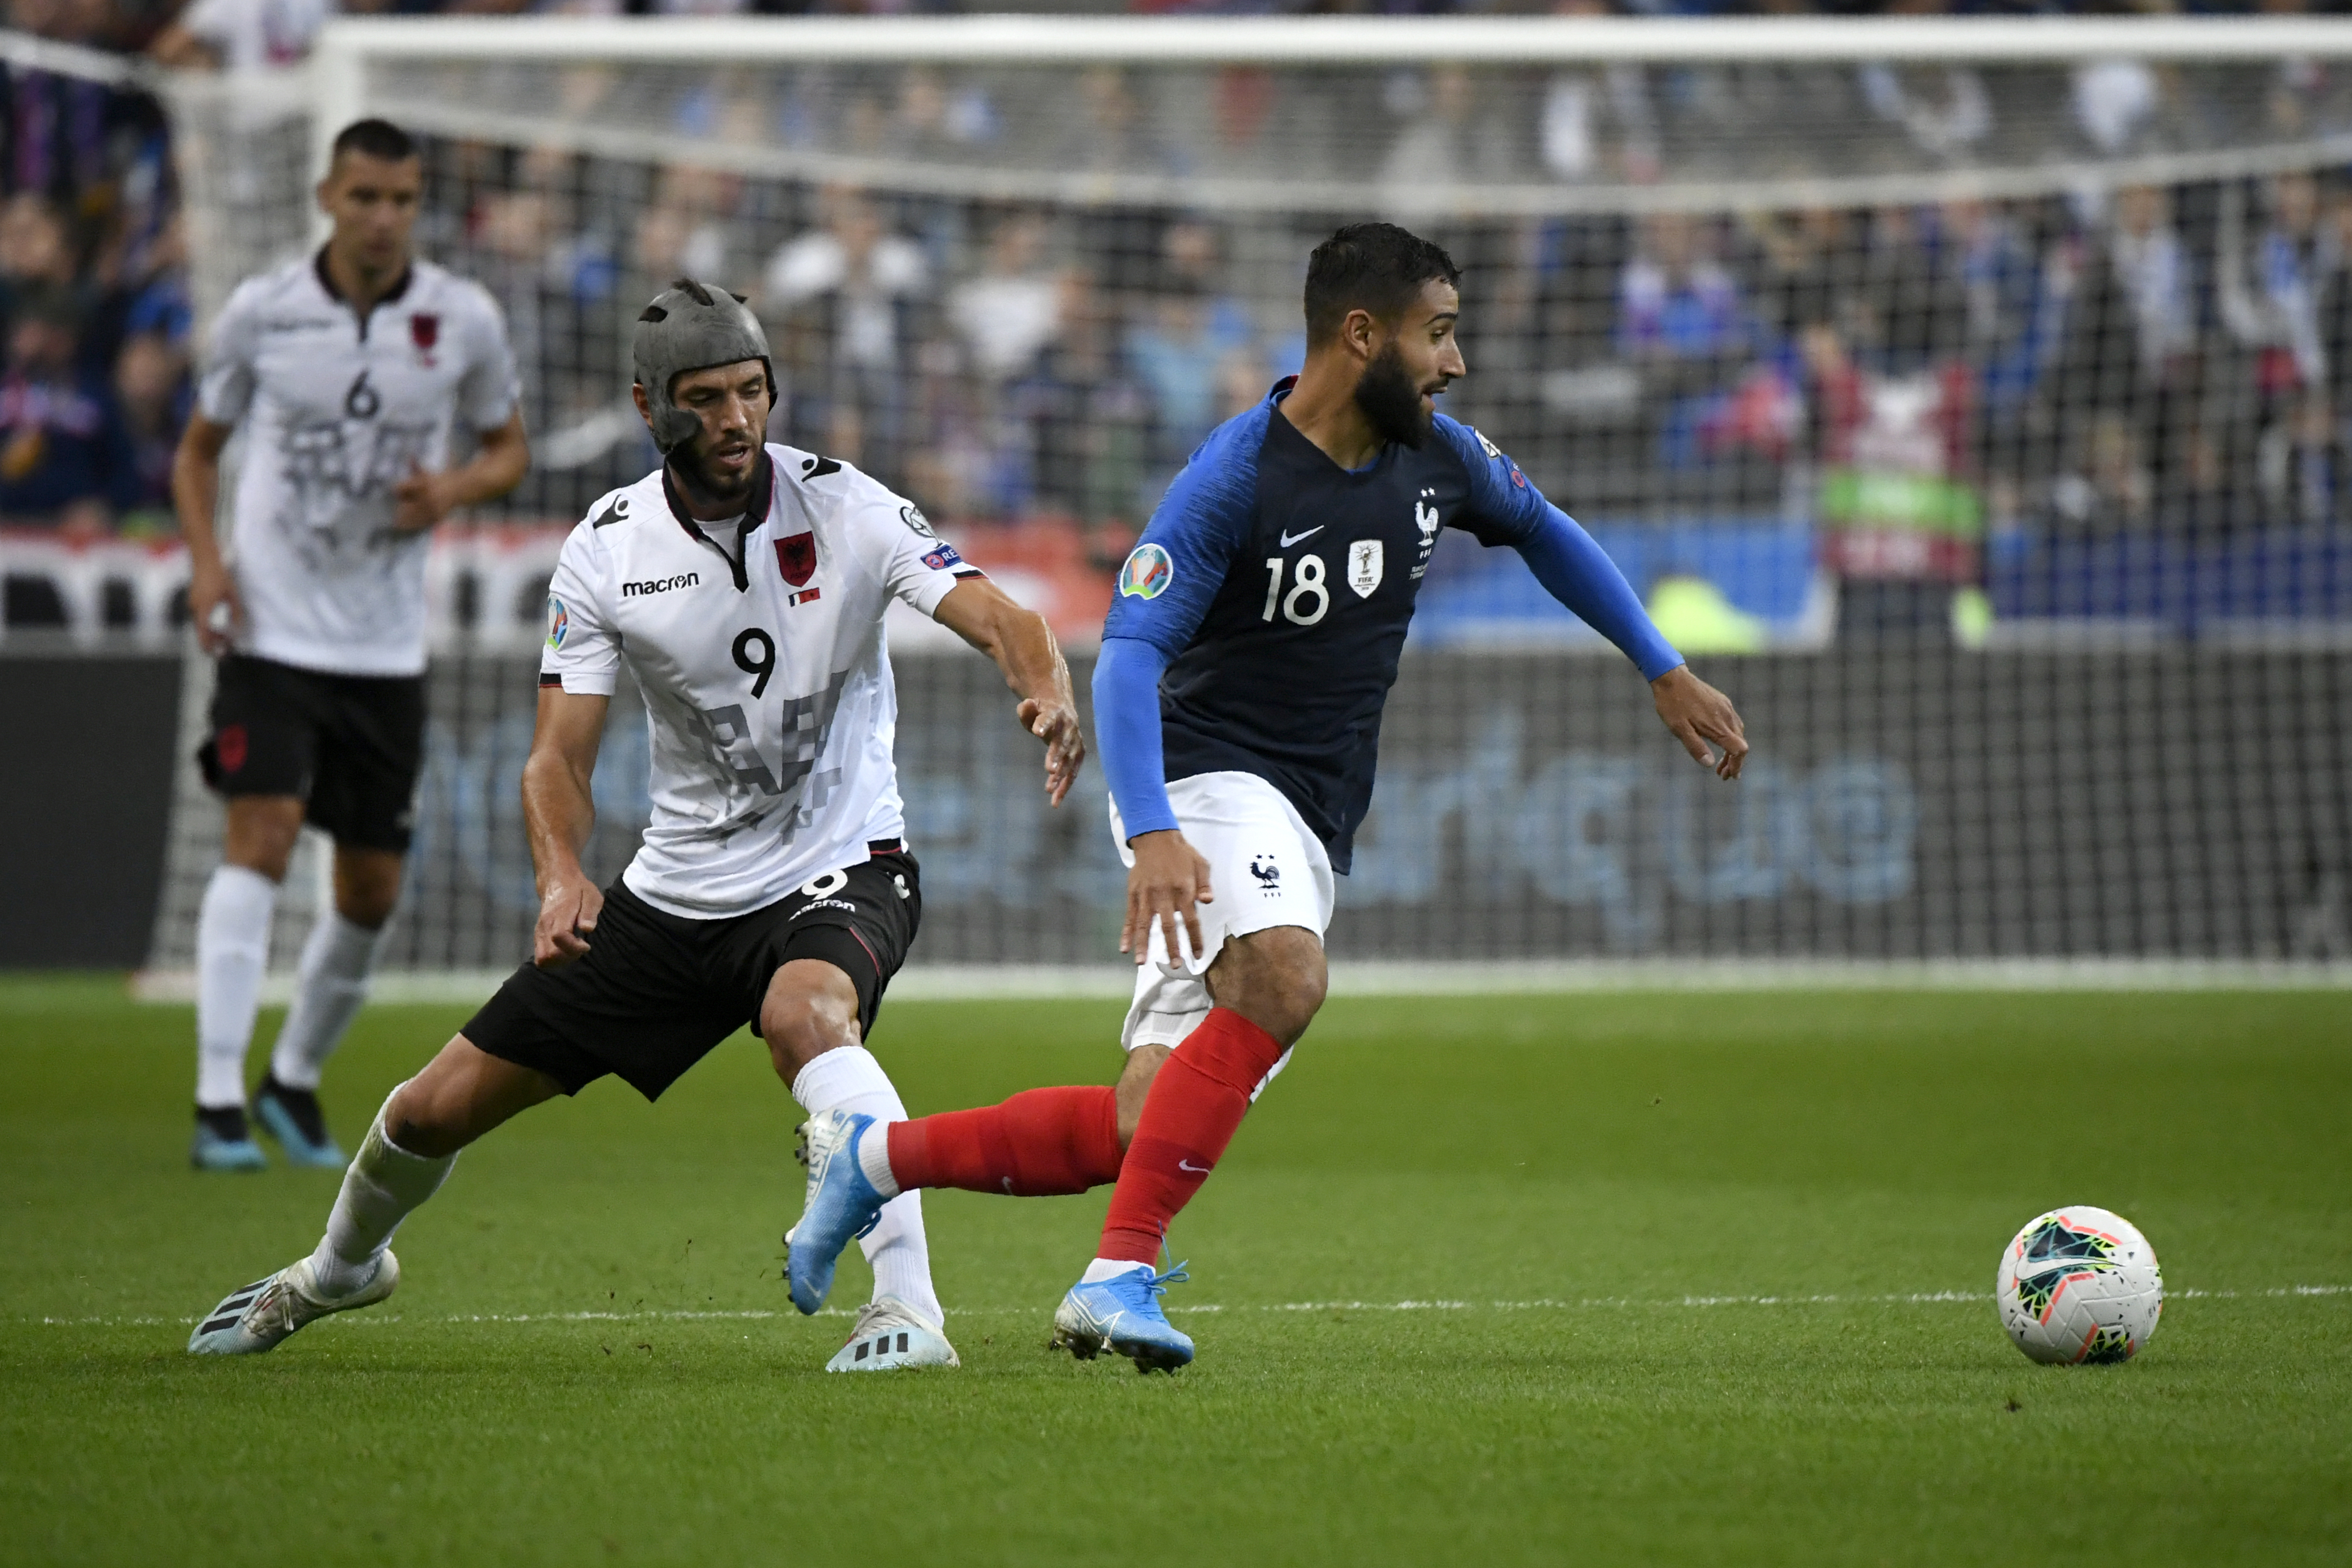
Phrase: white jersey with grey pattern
x=758 y=648
x=336 y=412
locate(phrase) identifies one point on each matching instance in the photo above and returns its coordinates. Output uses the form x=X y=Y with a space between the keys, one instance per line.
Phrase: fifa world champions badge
x=1147 y=574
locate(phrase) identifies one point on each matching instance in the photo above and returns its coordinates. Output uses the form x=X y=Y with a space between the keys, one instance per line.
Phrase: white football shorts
x=1265 y=869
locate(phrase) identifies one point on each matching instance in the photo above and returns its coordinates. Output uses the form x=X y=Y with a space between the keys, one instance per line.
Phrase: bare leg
x=462 y=1094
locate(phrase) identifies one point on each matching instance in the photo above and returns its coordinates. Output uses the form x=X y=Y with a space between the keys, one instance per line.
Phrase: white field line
x=1541 y=1304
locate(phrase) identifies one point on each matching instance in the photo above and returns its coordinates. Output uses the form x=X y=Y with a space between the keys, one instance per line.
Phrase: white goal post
x=1973 y=396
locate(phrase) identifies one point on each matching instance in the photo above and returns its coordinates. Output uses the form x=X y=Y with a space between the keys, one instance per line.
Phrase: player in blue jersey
x=1237 y=707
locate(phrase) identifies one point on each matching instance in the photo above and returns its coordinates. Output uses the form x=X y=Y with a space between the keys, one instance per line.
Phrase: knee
x=367 y=884
x=418 y=1121
x=799 y=1027
x=367 y=905
x=1281 y=985
x=263 y=844
x=1292 y=1004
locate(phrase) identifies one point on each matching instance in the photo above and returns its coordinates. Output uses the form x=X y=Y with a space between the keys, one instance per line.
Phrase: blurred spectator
x=151 y=389
x=1575 y=104
x=36 y=259
x=1914 y=306
x=2129 y=343
x=60 y=445
x=1445 y=140
x=681 y=231
x=2269 y=292
x=856 y=285
x=1676 y=302
x=1187 y=331
x=242 y=35
x=1008 y=313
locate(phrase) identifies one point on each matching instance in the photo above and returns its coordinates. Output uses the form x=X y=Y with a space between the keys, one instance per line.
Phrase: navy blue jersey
x=1279 y=586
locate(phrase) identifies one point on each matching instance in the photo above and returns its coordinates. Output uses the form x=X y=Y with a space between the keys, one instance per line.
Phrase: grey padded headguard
x=691 y=326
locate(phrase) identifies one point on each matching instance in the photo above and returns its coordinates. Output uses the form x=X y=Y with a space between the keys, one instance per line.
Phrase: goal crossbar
x=1307 y=41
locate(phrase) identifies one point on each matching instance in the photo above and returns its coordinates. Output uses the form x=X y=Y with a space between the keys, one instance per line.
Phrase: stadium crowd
x=2172 y=358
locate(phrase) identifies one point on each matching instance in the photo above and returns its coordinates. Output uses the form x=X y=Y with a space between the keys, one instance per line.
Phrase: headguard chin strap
x=691 y=326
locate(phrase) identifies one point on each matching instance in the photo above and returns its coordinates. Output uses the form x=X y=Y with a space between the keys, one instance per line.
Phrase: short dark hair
x=1377 y=268
x=373 y=138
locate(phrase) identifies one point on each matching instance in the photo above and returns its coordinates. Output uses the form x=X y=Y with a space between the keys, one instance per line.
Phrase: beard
x=698 y=474
x=1392 y=402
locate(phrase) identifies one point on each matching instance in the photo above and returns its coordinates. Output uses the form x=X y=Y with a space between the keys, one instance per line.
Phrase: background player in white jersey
x=348 y=370
x=744 y=585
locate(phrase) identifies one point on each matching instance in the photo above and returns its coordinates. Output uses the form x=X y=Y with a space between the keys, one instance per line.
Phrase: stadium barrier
x=1928 y=813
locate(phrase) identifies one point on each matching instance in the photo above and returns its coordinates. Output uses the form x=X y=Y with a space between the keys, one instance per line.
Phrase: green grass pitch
x=1692 y=1279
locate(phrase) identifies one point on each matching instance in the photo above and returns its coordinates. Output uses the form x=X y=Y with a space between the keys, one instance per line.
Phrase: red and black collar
x=755 y=512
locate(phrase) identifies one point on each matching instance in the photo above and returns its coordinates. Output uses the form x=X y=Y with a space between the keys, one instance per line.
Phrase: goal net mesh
x=1981 y=429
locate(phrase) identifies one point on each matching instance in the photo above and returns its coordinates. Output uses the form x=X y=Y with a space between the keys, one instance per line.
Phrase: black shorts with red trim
x=656 y=991
x=348 y=747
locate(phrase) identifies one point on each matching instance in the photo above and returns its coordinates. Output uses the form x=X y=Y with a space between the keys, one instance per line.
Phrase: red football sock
x=1037 y=1143
x=1199 y=1098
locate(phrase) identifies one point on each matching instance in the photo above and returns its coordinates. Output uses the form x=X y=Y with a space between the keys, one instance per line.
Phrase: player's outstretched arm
x=196 y=494
x=1022 y=645
x=559 y=813
x=1579 y=573
x=423 y=499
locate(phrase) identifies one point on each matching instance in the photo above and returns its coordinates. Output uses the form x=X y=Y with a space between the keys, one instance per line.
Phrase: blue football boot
x=292 y=1118
x=224 y=1143
x=1122 y=1315
x=841 y=1206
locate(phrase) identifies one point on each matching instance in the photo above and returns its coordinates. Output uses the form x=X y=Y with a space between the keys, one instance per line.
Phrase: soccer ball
x=2079 y=1285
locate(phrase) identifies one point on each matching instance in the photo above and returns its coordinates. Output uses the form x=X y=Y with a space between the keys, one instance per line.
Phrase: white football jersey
x=336 y=412
x=758 y=645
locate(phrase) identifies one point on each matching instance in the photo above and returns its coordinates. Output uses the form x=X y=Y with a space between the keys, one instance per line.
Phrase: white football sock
x=848 y=1079
x=232 y=949
x=1103 y=1268
x=384 y=1183
x=329 y=989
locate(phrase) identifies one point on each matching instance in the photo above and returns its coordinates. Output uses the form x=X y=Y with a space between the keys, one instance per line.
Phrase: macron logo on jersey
x=661 y=584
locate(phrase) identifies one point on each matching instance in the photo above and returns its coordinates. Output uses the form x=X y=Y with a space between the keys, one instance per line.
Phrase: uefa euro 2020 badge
x=559 y=622
x=1147 y=574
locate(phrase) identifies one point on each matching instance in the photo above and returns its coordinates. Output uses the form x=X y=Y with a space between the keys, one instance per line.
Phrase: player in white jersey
x=744 y=586
x=347 y=372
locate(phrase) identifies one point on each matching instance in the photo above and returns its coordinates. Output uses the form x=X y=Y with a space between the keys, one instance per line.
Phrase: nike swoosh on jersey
x=1289 y=539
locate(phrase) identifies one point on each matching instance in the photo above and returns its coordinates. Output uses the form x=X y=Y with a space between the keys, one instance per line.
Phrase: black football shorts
x=656 y=991
x=348 y=747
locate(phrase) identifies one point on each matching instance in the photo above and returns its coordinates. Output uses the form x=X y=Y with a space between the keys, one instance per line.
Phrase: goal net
x=1970 y=403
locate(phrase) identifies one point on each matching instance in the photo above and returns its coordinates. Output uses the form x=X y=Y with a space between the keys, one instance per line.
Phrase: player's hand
x=1170 y=877
x=419 y=501
x=213 y=606
x=567 y=918
x=1699 y=715
x=1056 y=724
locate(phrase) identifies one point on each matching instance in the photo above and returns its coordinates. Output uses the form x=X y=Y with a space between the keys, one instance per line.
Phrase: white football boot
x=255 y=1318
x=891 y=1334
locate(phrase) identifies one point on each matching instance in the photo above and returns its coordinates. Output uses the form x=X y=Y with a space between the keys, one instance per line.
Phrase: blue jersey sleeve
x=1126 y=732
x=1506 y=509
x=1177 y=568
